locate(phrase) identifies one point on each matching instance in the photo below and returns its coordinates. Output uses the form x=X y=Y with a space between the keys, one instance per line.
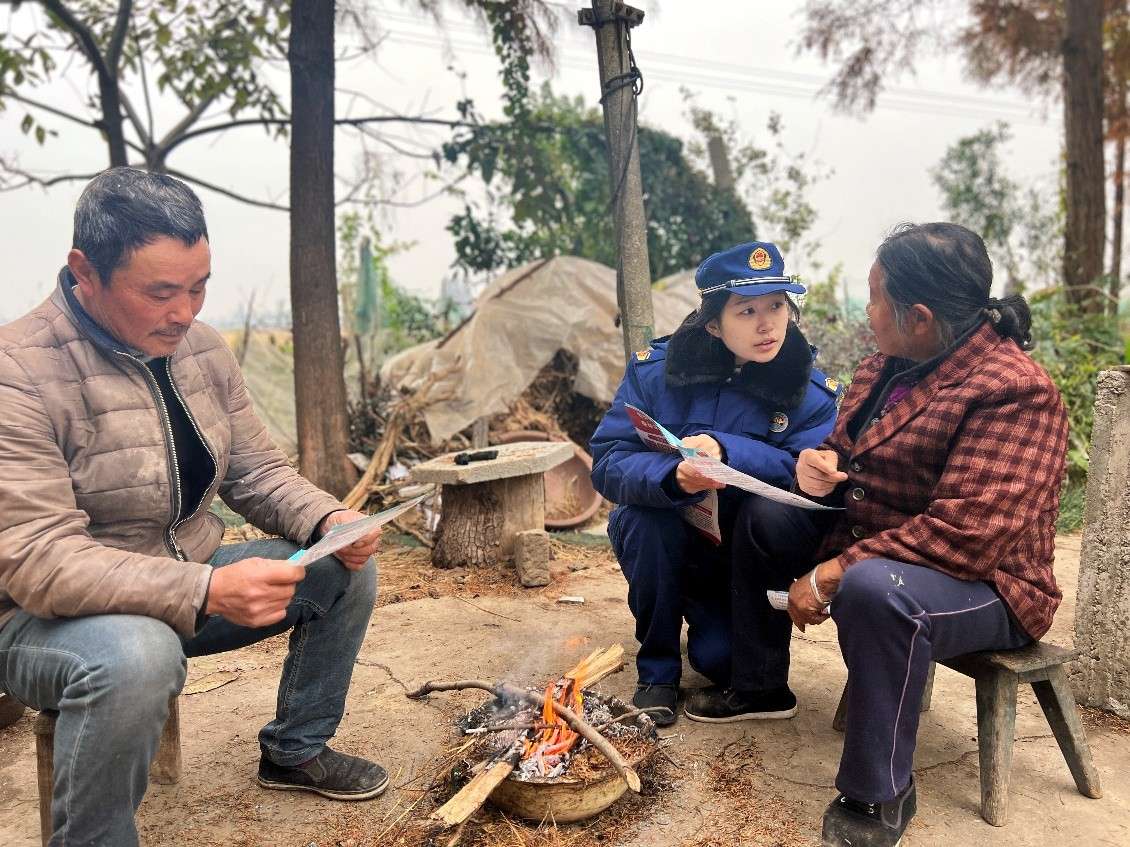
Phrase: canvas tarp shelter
x=521 y=320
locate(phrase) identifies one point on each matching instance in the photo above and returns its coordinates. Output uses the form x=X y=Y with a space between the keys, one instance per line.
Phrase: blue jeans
x=110 y=678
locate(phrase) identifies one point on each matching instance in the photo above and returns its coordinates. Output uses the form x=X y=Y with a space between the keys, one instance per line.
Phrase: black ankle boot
x=852 y=822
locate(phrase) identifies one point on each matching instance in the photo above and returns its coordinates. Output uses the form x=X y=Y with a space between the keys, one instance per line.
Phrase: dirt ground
x=723 y=785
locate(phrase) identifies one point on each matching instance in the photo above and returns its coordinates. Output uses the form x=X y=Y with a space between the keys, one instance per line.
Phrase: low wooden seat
x=997 y=675
x=165 y=770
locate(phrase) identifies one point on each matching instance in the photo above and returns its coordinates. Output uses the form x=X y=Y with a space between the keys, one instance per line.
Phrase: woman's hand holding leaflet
x=687 y=476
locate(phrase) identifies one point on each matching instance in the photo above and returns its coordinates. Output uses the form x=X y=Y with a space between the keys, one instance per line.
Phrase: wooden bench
x=997 y=675
x=165 y=770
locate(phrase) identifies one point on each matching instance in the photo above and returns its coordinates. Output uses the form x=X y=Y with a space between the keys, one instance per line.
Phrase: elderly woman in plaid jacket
x=947 y=457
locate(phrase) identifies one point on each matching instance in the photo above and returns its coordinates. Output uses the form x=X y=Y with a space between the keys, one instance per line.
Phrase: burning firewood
x=563 y=728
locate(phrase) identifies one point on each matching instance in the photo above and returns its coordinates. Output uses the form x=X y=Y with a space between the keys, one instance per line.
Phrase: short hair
x=125 y=208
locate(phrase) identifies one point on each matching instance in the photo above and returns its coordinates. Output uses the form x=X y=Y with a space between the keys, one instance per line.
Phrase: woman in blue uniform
x=736 y=381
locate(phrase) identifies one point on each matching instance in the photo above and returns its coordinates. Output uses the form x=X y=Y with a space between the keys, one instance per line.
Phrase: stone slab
x=531 y=557
x=521 y=458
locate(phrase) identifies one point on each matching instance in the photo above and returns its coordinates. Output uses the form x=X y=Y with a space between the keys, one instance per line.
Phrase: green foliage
x=1073 y=348
x=776 y=181
x=1023 y=230
x=548 y=187
x=838 y=330
x=202 y=51
x=977 y=193
x=403 y=319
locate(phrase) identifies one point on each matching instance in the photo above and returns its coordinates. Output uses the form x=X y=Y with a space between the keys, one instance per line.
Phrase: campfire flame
x=551 y=745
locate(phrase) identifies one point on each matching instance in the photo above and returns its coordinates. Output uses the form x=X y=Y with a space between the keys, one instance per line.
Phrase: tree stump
x=485 y=504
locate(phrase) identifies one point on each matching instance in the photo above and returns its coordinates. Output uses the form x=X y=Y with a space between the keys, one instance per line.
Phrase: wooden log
x=506 y=691
x=472 y=795
x=470 y=526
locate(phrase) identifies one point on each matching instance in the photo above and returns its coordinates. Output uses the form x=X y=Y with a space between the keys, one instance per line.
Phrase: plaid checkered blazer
x=962 y=475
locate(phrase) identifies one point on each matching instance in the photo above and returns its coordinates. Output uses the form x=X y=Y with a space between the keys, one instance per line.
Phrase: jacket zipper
x=174 y=465
x=203 y=440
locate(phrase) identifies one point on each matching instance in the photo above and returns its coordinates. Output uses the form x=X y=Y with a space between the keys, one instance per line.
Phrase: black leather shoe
x=658 y=696
x=330 y=774
x=851 y=823
x=715 y=704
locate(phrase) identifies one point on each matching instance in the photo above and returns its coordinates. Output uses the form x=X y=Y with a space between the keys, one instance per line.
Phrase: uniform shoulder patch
x=830 y=384
x=643 y=355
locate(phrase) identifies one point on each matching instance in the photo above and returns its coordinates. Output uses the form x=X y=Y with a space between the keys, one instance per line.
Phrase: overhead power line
x=697 y=72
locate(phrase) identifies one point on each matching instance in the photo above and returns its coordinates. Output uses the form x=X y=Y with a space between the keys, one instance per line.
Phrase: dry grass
x=751 y=809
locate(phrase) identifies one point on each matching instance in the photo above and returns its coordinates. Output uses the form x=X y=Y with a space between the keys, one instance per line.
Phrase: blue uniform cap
x=750 y=269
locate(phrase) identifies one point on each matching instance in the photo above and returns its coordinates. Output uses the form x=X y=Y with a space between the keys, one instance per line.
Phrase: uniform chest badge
x=643 y=355
x=759 y=259
x=779 y=422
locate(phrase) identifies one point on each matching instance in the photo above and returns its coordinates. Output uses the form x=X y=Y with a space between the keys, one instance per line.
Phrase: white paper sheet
x=718 y=471
x=345 y=534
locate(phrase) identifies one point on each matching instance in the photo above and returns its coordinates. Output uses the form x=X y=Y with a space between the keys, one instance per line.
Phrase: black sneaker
x=851 y=822
x=657 y=696
x=715 y=704
x=331 y=774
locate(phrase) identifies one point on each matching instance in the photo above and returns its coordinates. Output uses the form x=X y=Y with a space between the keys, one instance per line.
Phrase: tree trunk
x=112 y=121
x=1116 y=234
x=1083 y=129
x=319 y=381
x=1120 y=132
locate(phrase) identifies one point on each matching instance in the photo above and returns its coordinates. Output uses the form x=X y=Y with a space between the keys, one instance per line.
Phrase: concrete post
x=612 y=20
x=1101 y=678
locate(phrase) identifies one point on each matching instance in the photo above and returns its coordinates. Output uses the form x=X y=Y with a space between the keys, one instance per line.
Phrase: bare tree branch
x=148 y=138
x=135 y=118
x=118 y=36
x=227 y=192
x=174 y=136
x=31 y=179
x=59 y=113
x=205 y=130
x=82 y=34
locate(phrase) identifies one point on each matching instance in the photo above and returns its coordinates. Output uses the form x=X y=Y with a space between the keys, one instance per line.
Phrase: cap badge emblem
x=759 y=259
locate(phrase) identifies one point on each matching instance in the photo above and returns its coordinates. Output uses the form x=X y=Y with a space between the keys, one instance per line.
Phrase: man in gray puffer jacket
x=121 y=418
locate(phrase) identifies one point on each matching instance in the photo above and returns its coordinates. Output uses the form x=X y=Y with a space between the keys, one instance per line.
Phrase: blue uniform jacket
x=756 y=440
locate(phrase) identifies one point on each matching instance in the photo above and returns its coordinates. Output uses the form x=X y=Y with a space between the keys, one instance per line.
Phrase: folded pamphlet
x=345 y=534
x=704 y=515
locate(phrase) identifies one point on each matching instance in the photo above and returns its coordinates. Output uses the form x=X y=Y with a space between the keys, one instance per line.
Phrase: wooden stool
x=997 y=675
x=165 y=770
x=487 y=503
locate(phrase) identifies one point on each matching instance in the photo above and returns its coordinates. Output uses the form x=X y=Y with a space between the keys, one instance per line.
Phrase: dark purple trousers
x=892 y=619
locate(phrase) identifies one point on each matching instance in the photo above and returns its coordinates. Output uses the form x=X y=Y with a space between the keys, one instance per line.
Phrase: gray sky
x=740 y=58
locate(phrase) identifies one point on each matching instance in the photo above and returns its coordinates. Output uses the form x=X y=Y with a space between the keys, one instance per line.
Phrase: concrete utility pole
x=1101 y=678
x=618 y=77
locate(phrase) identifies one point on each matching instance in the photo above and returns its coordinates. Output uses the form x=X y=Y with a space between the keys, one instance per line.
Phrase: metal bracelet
x=816 y=591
